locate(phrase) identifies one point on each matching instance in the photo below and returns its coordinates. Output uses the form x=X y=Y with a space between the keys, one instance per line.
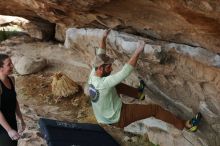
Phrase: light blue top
x=107 y=103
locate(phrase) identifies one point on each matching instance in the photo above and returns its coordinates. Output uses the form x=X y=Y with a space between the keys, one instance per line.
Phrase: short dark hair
x=2 y=59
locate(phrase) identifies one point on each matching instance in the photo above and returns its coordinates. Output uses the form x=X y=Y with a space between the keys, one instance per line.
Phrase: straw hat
x=63 y=86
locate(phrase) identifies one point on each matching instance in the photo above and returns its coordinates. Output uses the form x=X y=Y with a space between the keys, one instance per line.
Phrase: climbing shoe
x=141 y=96
x=141 y=87
x=192 y=125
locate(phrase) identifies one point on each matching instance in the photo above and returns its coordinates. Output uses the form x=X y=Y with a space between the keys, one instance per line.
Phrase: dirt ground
x=37 y=101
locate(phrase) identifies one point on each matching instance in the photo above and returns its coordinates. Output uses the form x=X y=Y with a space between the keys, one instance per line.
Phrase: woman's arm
x=18 y=111
x=4 y=123
x=11 y=132
x=19 y=115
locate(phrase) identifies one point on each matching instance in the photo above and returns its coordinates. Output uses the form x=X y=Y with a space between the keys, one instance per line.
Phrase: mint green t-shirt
x=107 y=103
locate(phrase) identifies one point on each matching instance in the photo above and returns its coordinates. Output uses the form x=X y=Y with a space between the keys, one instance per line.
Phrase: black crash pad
x=59 y=133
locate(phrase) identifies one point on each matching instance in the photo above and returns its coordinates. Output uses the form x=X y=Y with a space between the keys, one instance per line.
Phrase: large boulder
x=27 y=65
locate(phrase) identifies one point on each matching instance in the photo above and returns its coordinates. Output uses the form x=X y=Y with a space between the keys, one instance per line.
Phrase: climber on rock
x=105 y=88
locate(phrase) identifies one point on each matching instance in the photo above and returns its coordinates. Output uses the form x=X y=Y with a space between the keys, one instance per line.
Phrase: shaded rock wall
x=40 y=30
x=191 y=22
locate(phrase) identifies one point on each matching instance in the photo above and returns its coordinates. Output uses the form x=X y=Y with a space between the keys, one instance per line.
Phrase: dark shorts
x=133 y=112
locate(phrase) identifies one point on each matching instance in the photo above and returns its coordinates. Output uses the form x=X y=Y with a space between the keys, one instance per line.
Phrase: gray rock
x=216 y=127
x=27 y=65
x=208 y=115
x=165 y=134
x=89 y=39
x=198 y=53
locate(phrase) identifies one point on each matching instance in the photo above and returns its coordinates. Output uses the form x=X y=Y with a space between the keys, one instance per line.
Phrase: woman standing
x=9 y=106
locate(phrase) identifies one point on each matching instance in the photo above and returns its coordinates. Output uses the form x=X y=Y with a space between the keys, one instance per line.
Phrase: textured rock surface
x=191 y=21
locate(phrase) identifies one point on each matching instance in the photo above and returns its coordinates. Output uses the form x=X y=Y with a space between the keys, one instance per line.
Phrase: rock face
x=190 y=22
x=181 y=61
